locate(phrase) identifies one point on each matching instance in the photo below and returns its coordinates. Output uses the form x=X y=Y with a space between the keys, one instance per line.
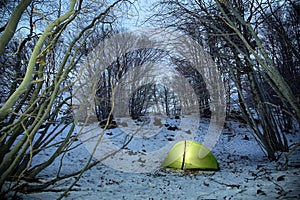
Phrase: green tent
x=188 y=154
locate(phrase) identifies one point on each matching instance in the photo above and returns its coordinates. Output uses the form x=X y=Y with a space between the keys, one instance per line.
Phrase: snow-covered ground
x=245 y=172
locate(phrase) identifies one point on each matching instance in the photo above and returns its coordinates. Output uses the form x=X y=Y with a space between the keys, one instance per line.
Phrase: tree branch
x=10 y=28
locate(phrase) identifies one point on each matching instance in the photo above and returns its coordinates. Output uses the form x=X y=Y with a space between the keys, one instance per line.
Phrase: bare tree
x=197 y=82
x=231 y=31
x=41 y=69
x=127 y=66
x=280 y=28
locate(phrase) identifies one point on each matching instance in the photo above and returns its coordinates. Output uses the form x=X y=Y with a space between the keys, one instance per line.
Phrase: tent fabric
x=188 y=154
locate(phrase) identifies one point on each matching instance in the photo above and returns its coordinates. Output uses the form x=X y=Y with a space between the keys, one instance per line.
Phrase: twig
x=226 y=184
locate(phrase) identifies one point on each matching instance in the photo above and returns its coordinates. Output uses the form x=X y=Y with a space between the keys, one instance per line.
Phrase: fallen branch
x=226 y=184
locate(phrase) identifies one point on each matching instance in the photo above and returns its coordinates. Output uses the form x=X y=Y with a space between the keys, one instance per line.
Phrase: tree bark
x=12 y=24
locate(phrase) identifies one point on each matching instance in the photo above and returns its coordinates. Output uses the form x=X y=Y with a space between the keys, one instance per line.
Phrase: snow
x=245 y=172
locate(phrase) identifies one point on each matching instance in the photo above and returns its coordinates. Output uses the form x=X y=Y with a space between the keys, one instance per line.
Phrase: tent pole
x=183 y=158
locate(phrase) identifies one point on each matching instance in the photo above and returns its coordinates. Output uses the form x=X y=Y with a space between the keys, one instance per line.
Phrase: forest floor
x=245 y=172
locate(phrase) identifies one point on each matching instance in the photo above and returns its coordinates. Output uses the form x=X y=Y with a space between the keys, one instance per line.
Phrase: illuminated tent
x=188 y=154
